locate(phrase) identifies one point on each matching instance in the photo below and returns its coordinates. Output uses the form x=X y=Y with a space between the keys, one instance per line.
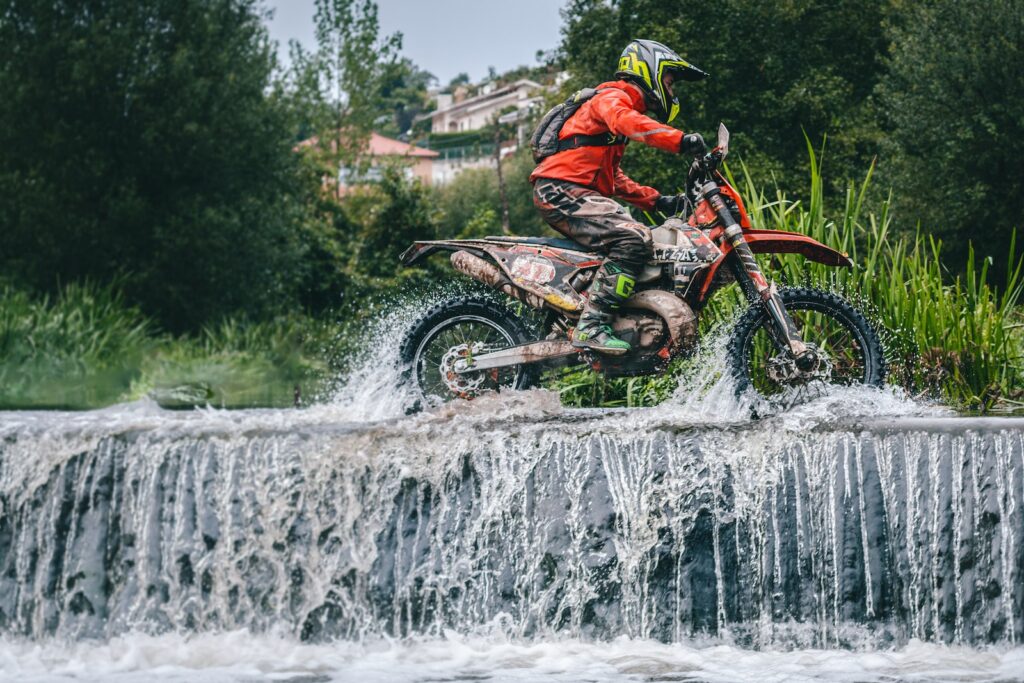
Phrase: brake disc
x=463 y=385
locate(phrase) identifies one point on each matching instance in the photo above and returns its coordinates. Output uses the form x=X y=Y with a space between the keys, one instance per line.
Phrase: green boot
x=611 y=286
x=595 y=334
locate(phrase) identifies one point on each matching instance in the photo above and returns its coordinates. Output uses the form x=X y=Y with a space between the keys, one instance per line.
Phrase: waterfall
x=536 y=524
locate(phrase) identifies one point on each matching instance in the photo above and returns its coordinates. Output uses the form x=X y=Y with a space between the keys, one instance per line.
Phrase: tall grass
x=78 y=349
x=238 y=363
x=949 y=336
x=86 y=348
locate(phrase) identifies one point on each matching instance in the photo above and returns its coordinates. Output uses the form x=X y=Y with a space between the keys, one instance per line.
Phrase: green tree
x=954 y=103
x=336 y=94
x=390 y=216
x=338 y=87
x=777 y=70
x=460 y=79
x=470 y=204
x=139 y=142
x=404 y=95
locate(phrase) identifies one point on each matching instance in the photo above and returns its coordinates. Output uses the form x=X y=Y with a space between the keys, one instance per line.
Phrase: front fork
x=750 y=277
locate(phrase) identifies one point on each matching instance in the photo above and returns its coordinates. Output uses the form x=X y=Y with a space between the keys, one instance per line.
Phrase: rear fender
x=421 y=250
x=544 y=271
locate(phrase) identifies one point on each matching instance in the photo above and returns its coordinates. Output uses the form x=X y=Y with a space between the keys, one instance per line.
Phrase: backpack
x=545 y=142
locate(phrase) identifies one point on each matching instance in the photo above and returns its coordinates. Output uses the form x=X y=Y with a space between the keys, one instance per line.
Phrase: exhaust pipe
x=489 y=274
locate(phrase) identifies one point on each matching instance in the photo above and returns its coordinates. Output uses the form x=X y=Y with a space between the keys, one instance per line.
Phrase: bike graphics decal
x=694 y=247
x=533 y=268
x=679 y=255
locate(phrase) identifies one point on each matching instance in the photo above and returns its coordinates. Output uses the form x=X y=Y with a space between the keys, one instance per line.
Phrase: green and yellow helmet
x=645 y=63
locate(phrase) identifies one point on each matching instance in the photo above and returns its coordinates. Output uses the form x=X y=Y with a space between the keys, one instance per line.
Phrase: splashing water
x=244 y=656
x=860 y=536
x=376 y=388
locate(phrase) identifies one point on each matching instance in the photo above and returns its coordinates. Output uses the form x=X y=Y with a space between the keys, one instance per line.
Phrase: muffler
x=489 y=274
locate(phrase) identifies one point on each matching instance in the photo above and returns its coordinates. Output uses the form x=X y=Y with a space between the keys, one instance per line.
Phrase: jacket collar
x=636 y=96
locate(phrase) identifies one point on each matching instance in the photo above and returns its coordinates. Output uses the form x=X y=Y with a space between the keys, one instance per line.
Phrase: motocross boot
x=611 y=286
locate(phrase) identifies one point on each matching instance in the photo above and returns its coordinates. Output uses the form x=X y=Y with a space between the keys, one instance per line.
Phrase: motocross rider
x=573 y=188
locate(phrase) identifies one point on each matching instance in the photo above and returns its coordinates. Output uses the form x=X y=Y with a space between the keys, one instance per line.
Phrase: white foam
x=241 y=656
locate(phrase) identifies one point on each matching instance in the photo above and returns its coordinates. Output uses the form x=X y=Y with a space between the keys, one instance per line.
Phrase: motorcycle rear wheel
x=456 y=329
x=845 y=336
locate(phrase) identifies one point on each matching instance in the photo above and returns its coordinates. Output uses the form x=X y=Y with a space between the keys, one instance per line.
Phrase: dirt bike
x=788 y=340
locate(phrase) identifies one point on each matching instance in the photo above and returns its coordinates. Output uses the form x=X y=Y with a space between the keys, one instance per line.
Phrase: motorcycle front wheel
x=459 y=329
x=850 y=349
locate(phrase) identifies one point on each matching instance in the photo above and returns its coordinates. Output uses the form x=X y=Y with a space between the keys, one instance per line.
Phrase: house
x=419 y=161
x=457 y=113
x=454 y=161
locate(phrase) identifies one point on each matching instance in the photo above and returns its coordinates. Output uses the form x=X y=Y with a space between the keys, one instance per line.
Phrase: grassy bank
x=86 y=348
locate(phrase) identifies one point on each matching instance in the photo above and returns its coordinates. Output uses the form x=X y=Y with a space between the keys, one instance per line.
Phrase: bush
x=471 y=205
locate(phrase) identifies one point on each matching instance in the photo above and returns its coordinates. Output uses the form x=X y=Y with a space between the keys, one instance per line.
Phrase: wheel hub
x=811 y=365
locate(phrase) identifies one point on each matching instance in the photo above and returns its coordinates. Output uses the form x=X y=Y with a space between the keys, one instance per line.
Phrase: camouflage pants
x=595 y=221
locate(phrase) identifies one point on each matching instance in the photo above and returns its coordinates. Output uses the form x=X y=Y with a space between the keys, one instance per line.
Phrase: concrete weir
x=820 y=533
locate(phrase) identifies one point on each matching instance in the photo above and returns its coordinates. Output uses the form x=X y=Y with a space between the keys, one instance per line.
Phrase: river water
x=861 y=537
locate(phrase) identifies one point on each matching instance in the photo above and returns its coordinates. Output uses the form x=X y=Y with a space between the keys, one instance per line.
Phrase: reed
x=954 y=337
x=76 y=349
x=239 y=363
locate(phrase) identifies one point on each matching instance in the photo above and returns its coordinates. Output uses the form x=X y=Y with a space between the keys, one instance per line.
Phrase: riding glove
x=668 y=204
x=692 y=144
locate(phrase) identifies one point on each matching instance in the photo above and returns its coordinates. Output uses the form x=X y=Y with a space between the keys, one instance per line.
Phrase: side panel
x=539 y=269
x=544 y=271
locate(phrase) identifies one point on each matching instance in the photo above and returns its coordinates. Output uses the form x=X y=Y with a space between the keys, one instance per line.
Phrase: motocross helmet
x=644 y=63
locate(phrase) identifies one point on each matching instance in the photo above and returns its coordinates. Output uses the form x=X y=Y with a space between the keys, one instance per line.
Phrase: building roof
x=381 y=146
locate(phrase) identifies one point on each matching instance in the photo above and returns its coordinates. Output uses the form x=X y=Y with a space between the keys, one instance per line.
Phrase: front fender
x=781 y=242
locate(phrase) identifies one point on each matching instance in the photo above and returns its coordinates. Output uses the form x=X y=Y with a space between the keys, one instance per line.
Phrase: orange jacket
x=617 y=108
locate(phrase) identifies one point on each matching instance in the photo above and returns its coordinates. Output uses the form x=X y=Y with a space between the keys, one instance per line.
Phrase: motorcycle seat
x=553 y=242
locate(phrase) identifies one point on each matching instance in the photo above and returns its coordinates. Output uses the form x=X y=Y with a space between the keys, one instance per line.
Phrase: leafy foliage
x=139 y=143
x=404 y=94
x=953 y=100
x=471 y=205
x=340 y=89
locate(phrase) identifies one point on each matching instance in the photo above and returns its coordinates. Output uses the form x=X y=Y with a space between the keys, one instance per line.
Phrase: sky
x=445 y=37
